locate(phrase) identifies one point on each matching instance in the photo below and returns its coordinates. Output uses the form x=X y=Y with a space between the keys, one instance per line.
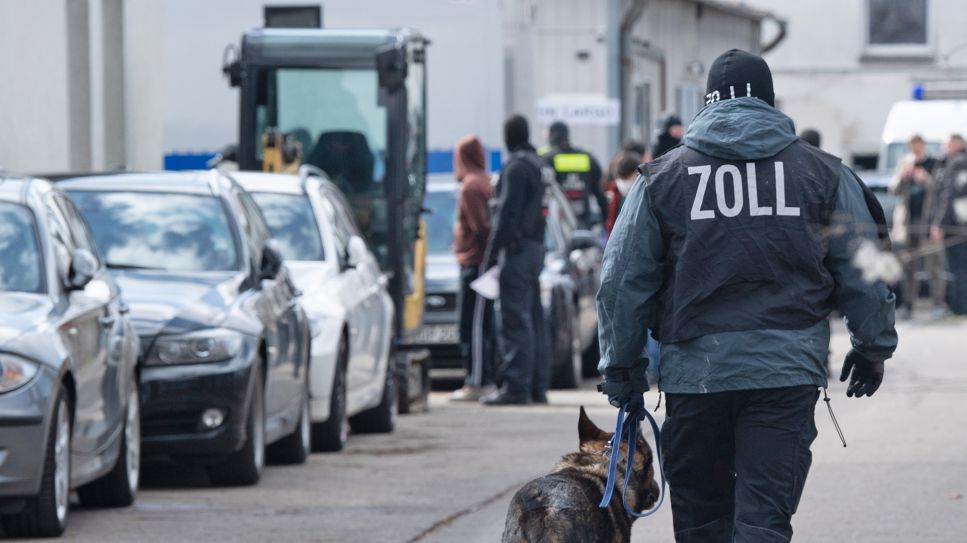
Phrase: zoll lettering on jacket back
x=735 y=188
x=745 y=238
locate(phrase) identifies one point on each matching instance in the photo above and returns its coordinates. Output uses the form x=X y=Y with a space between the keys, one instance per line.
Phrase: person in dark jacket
x=670 y=136
x=914 y=186
x=734 y=248
x=577 y=172
x=517 y=246
x=949 y=220
x=470 y=237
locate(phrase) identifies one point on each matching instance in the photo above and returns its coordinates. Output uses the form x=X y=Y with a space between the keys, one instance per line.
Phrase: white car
x=344 y=296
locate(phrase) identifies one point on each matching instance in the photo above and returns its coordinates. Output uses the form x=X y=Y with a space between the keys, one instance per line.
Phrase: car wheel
x=45 y=515
x=331 y=435
x=244 y=467
x=568 y=364
x=120 y=486
x=294 y=448
x=382 y=418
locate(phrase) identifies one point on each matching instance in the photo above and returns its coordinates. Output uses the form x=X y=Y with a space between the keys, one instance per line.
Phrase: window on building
x=897 y=23
x=309 y=16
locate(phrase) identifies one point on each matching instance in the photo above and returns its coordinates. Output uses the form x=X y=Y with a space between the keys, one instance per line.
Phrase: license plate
x=437 y=333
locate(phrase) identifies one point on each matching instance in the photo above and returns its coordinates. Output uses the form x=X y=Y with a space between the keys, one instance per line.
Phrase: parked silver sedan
x=69 y=410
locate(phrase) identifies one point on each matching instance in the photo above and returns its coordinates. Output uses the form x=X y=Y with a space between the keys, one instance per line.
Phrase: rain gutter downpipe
x=618 y=38
x=614 y=36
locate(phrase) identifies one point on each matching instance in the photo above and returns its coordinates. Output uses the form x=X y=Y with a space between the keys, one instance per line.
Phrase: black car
x=569 y=282
x=225 y=345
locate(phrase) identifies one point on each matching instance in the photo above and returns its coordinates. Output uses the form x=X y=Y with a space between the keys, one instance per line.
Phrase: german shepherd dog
x=562 y=507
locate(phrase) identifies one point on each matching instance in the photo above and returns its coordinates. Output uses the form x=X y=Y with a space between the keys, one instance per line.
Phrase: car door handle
x=124 y=308
x=106 y=320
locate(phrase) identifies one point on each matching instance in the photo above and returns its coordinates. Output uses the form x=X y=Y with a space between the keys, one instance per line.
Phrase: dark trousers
x=524 y=367
x=736 y=462
x=476 y=331
x=957 y=264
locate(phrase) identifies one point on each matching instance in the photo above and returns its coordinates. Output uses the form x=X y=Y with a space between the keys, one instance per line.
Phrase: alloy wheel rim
x=62 y=463
x=305 y=429
x=132 y=432
x=258 y=433
x=340 y=391
x=394 y=409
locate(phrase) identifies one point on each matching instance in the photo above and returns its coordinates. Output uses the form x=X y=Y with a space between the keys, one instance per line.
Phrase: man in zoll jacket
x=734 y=248
x=470 y=238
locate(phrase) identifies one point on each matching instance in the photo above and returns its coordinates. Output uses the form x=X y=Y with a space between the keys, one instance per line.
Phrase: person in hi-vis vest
x=578 y=174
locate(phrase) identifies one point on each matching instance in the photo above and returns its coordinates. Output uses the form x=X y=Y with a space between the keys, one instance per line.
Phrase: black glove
x=624 y=386
x=866 y=374
x=635 y=409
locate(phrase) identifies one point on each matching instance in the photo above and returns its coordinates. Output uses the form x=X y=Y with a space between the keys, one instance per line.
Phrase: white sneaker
x=469 y=393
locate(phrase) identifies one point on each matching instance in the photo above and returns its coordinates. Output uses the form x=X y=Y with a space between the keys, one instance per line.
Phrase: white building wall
x=77 y=103
x=691 y=34
x=826 y=79
x=464 y=61
x=544 y=38
x=561 y=30
x=143 y=128
x=34 y=93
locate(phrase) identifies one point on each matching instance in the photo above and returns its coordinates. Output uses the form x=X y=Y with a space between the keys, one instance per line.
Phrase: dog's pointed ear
x=587 y=430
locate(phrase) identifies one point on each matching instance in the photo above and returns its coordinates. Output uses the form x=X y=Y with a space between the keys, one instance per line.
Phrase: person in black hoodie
x=517 y=245
x=671 y=135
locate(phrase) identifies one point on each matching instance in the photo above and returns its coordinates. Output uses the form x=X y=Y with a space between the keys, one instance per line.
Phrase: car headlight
x=212 y=345
x=15 y=372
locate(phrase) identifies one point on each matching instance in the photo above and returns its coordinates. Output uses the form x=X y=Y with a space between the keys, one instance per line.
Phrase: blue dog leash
x=629 y=468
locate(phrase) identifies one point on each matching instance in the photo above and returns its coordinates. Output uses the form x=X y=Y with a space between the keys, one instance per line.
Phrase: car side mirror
x=82 y=268
x=271 y=261
x=356 y=251
x=582 y=240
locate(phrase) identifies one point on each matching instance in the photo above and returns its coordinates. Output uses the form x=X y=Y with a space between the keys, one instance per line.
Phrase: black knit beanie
x=557 y=133
x=516 y=132
x=737 y=73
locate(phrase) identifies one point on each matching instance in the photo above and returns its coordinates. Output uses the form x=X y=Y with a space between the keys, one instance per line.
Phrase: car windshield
x=20 y=268
x=175 y=232
x=439 y=222
x=292 y=223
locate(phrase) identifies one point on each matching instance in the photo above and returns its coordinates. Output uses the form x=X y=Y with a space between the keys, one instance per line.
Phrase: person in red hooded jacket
x=625 y=170
x=471 y=234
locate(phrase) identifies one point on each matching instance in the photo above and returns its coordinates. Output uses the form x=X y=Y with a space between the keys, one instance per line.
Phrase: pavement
x=448 y=475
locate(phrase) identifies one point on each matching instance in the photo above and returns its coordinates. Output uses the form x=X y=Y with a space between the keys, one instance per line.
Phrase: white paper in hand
x=488 y=284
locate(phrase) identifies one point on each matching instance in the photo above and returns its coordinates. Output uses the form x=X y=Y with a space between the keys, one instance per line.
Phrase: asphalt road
x=447 y=476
